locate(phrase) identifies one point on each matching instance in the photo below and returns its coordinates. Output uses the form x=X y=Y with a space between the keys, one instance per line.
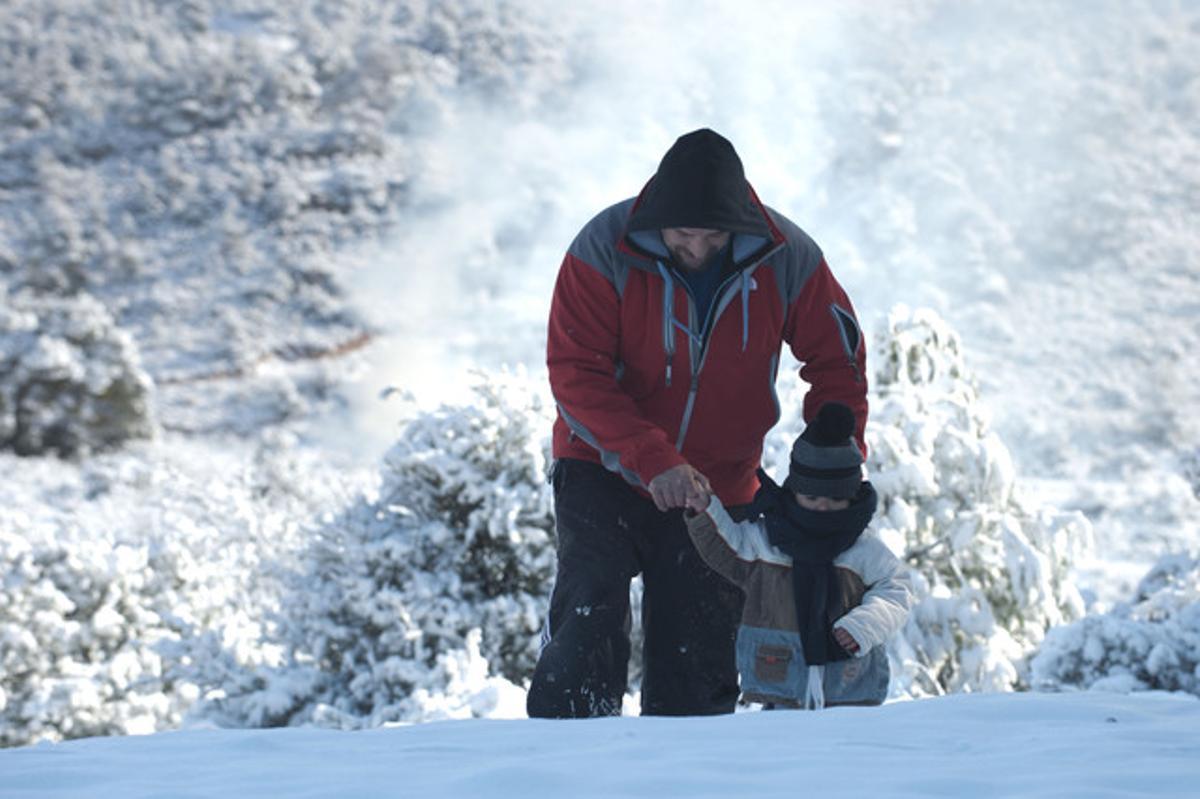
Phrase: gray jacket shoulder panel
x=796 y=262
x=596 y=243
x=596 y=246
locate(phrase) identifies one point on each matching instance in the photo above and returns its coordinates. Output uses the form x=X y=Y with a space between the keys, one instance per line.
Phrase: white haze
x=1028 y=170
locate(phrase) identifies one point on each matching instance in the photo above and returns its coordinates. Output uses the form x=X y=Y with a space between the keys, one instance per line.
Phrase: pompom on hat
x=826 y=461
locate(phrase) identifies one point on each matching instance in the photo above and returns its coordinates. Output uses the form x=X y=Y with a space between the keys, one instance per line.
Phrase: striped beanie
x=826 y=461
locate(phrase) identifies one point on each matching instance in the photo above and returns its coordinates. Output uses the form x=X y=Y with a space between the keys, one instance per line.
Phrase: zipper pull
x=668 y=371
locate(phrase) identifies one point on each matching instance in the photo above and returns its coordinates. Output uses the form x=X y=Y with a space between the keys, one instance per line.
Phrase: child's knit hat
x=826 y=461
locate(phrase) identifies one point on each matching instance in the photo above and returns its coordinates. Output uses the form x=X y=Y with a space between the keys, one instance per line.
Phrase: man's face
x=691 y=247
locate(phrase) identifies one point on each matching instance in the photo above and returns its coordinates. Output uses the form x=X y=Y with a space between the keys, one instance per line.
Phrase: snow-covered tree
x=139 y=583
x=200 y=167
x=177 y=184
x=447 y=569
x=70 y=379
x=990 y=572
x=479 y=473
x=1150 y=642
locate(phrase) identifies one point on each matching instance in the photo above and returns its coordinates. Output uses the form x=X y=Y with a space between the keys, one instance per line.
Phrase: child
x=820 y=600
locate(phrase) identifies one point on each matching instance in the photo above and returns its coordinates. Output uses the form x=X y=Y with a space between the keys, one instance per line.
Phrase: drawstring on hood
x=745 y=309
x=668 y=316
x=670 y=322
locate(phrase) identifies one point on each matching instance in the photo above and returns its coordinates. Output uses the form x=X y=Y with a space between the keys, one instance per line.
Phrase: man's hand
x=845 y=640
x=680 y=487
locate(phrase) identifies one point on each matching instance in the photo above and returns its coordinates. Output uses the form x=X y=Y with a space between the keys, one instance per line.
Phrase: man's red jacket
x=643 y=385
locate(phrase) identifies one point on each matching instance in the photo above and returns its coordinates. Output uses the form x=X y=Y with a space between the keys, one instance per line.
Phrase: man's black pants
x=607 y=534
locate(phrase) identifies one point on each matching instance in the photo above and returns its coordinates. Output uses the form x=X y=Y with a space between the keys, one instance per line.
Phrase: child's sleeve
x=886 y=603
x=731 y=549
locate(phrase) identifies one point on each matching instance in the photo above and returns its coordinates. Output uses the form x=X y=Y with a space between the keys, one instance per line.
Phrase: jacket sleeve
x=888 y=600
x=581 y=356
x=732 y=549
x=823 y=333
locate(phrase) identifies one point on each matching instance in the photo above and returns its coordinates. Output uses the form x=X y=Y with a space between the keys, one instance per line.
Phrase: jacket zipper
x=710 y=321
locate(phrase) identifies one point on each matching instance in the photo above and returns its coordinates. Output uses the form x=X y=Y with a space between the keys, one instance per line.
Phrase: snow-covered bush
x=134 y=584
x=447 y=569
x=989 y=572
x=460 y=539
x=70 y=379
x=155 y=587
x=1149 y=643
x=79 y=623
x=474 y=479
x=198 y=167
x=479 y=473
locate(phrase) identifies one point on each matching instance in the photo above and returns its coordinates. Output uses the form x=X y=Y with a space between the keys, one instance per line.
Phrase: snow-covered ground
x=285 y=214
x=1028 y=745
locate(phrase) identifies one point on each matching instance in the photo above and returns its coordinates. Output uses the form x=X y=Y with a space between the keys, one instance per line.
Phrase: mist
x=1011 y=168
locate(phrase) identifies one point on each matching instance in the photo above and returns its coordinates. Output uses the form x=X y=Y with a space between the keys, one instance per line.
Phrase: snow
x=278 y=236
x=1030 y=745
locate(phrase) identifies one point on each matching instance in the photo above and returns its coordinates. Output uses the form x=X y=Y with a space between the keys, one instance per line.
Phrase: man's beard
x=678 y=256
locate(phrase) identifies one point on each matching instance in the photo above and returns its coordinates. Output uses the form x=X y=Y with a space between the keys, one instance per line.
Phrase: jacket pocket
x=771 y=663
x=858 y=681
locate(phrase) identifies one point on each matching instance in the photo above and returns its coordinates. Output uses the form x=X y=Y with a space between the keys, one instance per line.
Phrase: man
x=666 y=326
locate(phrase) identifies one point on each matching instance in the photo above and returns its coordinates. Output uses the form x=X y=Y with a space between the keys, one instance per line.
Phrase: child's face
x=810 y=502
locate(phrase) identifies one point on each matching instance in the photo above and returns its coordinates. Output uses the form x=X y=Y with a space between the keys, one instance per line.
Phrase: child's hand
x=845 y=640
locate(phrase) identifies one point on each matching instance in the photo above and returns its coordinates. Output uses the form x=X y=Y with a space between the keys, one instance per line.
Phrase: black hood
x=700 y=183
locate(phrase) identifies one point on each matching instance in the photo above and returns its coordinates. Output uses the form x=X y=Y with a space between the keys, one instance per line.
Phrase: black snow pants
x=607 y=534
